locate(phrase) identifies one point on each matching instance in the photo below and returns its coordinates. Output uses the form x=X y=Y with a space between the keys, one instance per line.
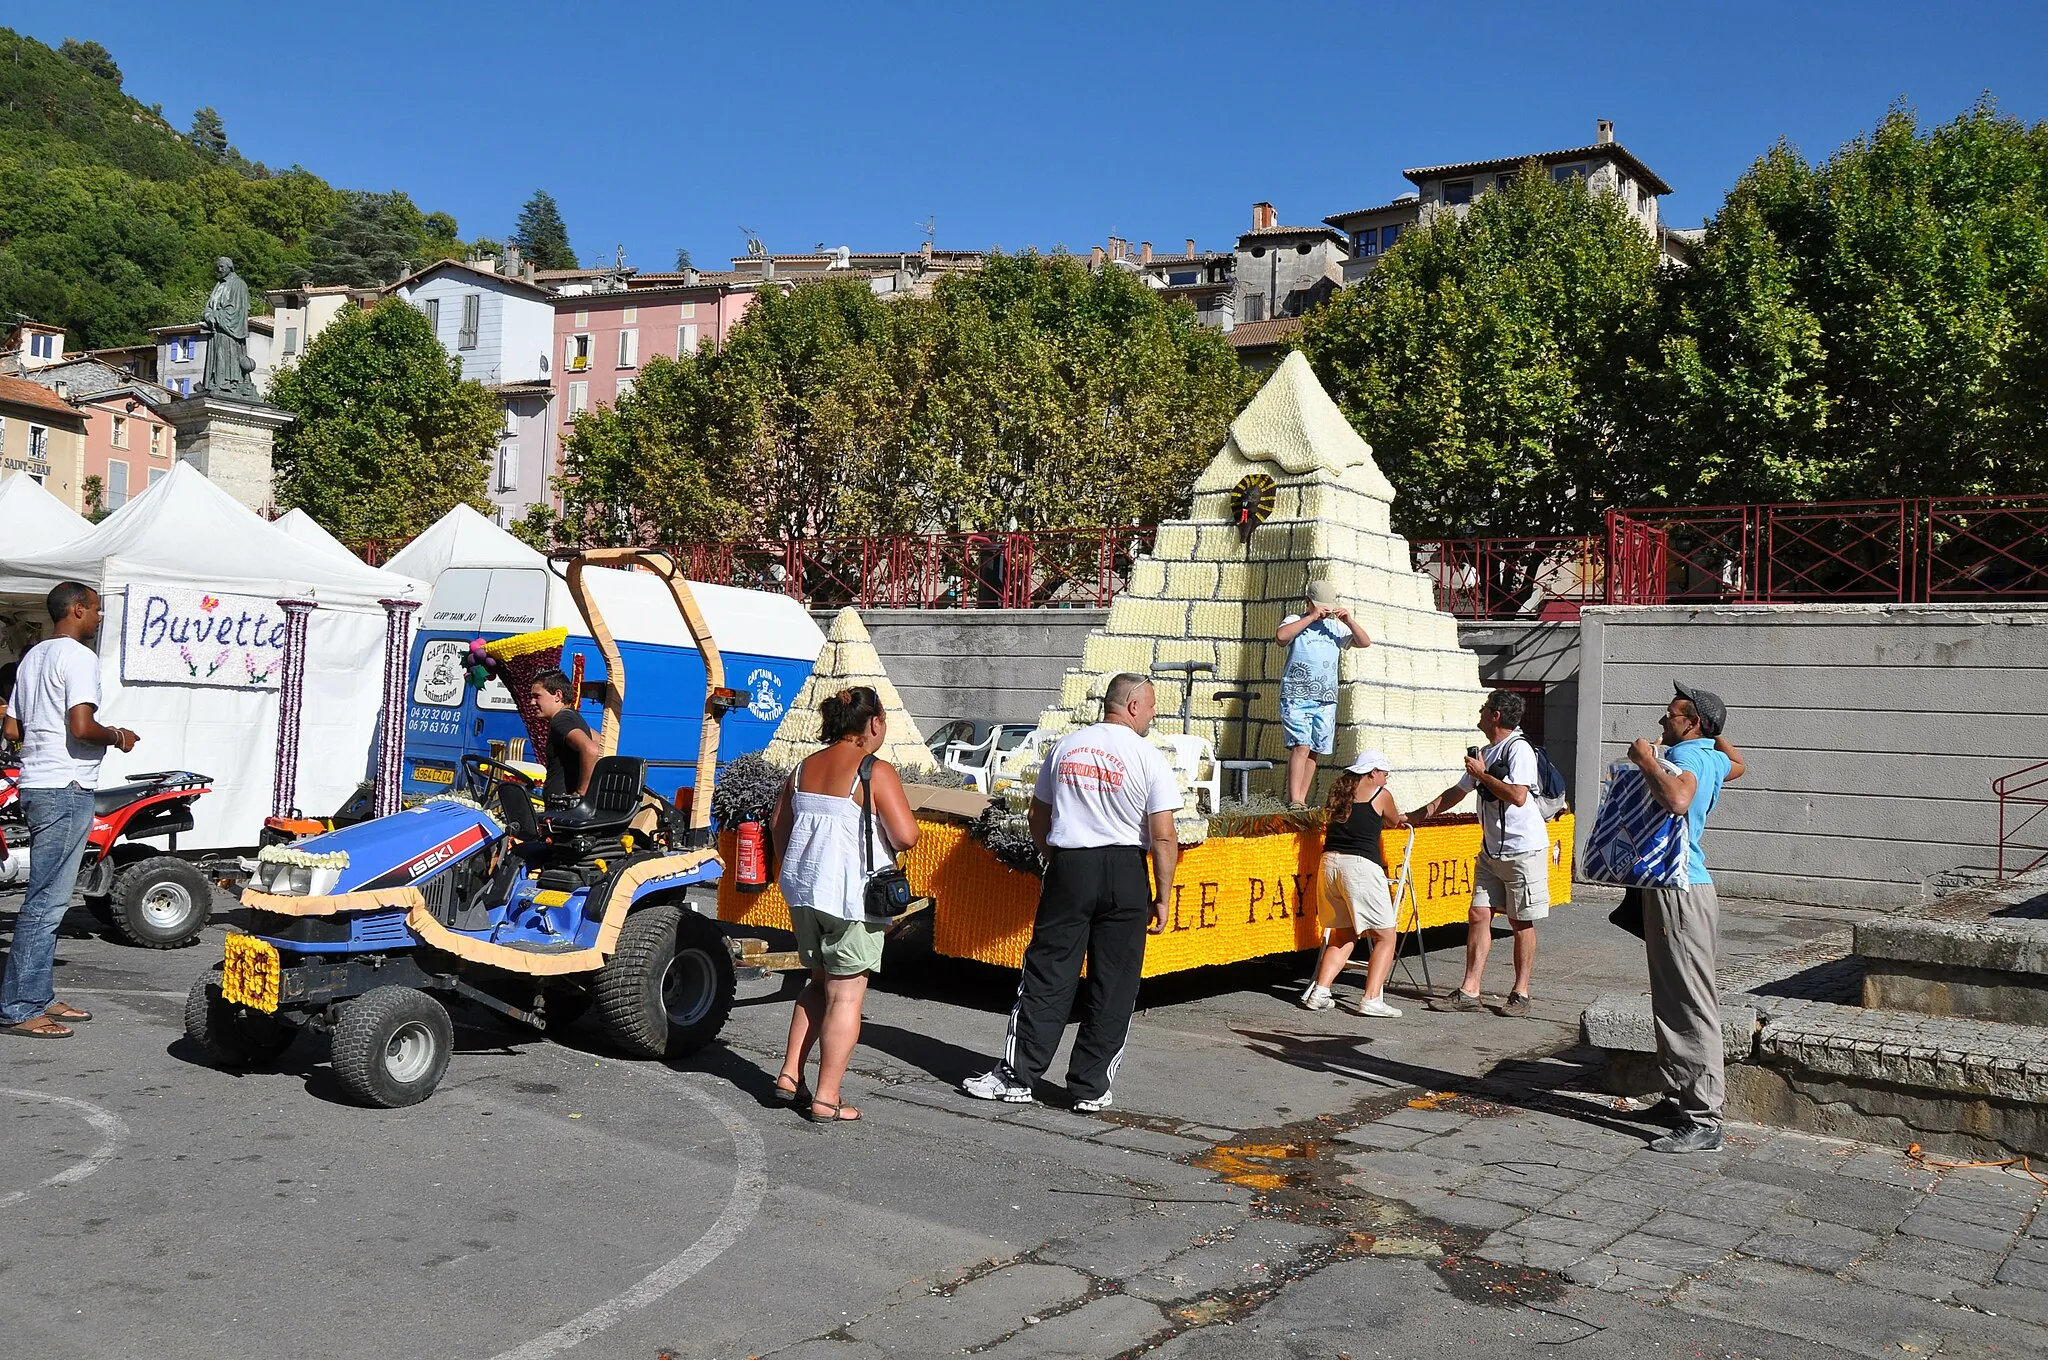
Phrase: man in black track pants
x=1102 y=796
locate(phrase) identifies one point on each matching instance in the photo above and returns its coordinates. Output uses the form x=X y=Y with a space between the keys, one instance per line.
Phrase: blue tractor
x=372 y=932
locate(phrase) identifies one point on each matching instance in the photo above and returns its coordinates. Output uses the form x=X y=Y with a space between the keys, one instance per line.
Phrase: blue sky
x=664 y=124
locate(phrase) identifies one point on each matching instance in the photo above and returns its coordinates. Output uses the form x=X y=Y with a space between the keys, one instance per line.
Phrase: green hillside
x=110 y=217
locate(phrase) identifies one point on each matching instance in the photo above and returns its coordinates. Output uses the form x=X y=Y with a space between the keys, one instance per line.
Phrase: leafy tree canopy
x=541 y=235
x=1031 y=395
x=1493 y=360
x=95 y=60
x=388 y=436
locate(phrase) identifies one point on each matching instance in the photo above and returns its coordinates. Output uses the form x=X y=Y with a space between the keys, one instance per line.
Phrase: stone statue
x=225 y=324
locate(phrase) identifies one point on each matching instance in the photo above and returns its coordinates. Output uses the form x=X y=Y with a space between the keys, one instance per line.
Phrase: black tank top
x=1358 y=834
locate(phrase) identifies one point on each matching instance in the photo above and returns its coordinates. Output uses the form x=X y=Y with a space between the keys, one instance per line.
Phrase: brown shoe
x=1456 y=1000
x=1517 y=1006
x=38 y=1027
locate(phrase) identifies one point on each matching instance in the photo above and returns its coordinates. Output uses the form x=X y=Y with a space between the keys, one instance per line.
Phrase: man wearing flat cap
x=1680 y=924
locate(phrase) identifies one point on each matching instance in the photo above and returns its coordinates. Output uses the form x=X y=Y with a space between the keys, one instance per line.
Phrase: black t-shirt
x=1358 y=834
x=561 y=783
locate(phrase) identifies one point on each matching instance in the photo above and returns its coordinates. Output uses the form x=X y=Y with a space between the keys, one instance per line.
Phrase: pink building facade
x=603 y=339
x=128 y=446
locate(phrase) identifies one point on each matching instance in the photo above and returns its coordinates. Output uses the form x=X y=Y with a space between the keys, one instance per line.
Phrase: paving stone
x=1738 y=1202
x=975 y=1314
x=1054 y=1120
x=1465 y=1211
x=1835 y=1314
x=1146 y=1140
x=1106 y=1326
x=1666 y=1252
x=1592 y=1272
x=1579 y=1232
x=1641 y=1278
x=1122 y=1247
x=1888 y=1168
x=1618 y=1188
x=1510 y=1190
x=1245 y=1257
x=1394 y=1137
x=1767 y=1172
x=833 y=1350
x=2008 y=1300
x=1714 y=1232
x=1538 y=1173
x=1868 y=1205
x=1994 y=1338
x=2029 y=1274
x=1942 y=1228
x=1399 y=1174
x=1431 y=1121
x=2014 y=1195
x=1550 y=1255
x=1815 y=1245
x=1925 y=1268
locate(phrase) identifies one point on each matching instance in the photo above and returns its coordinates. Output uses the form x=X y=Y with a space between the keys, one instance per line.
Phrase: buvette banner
x=175 y=636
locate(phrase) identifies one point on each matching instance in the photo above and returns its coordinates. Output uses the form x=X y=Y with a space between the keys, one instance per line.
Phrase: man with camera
x=1315 y=641
x=1512 y=873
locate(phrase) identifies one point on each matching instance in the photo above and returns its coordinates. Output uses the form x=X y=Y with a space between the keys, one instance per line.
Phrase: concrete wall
x=1872 y=733
x=1526 y=653
x=962 y=663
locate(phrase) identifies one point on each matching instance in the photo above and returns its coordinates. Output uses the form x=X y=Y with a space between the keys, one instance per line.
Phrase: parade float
x=1293 y=496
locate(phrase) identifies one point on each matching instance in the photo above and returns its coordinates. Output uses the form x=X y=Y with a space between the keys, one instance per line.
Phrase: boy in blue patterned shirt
x=1315 y=640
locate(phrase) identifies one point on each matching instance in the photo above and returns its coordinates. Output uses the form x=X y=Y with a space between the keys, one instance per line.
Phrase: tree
x=683 y=259
x=375 y=238
x=1496 y=361
x=1031 y=395
x=209 y=135
x=1870 y=326
x=541 y=235
x=95 y=60
x=387 y=436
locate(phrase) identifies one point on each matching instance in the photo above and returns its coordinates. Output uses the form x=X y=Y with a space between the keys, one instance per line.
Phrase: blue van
x=768 y=643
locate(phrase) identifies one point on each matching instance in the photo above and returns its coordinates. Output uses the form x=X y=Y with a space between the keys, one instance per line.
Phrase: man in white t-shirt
x=1512 y=874
x=55 y=718
x=1103 y=794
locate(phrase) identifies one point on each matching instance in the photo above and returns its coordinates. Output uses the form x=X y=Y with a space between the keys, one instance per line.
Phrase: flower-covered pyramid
x=1207 y=594
x=848 y=659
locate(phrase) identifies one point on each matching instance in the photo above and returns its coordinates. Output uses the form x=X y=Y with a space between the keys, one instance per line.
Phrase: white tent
x=461 y=538
x=303 y=527
x=31 y=519
x=185 y=534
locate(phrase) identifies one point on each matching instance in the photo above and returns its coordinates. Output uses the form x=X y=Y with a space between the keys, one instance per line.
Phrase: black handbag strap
x=867 y=818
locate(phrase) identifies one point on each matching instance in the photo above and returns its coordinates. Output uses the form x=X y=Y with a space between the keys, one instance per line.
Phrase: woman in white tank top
x=823 y=876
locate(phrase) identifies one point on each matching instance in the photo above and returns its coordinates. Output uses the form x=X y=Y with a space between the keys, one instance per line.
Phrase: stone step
x=1959 y=1086
x=1992 y=969
x=1621 y=1025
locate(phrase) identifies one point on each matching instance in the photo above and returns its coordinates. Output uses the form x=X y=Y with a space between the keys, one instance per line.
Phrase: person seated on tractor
x=572 y=750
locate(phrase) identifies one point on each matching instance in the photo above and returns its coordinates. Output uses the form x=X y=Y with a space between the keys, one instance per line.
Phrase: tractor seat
x=107 y=802
x=607 y=805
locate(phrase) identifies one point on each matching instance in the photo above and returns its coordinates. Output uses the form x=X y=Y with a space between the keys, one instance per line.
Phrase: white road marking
x=112 y=1134
x=750 y=1182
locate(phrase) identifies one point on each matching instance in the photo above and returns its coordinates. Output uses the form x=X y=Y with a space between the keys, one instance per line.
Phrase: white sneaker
x=1317 y=999
x=1094 y=1106
x=998 y=1083
x=1374 y=1006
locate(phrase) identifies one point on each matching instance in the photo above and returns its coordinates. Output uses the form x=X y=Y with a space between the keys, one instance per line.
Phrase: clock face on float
x=1252 y=502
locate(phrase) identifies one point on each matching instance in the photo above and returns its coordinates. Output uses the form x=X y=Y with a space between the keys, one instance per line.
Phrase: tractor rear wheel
x=391 y=1046
x=668 y=988
x=230 y=1035
x=161 y=903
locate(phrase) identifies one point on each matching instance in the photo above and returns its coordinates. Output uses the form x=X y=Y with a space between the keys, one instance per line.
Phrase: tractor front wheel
x=391 y=1046
x=229 y=1035
x=669 y=987
x=161 y=903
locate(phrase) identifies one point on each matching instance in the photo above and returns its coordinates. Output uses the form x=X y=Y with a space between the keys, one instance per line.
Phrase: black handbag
x=1629 y=915
x=887 y=894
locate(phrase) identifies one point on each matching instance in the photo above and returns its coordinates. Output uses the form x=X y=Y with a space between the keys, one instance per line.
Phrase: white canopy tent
x=31 y=519
x=303 y=527
x=185 y=533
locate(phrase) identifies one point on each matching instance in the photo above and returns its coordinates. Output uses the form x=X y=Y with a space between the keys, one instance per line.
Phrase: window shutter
x=686 y=339
x=117 y=485
x=472 y=305
x=629 y=348
x=508 y=468
x=432 y=309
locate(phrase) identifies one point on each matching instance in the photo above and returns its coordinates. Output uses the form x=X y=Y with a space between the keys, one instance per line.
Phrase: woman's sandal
x=38 y=1027
x=840 y=1113
x=794 y=1093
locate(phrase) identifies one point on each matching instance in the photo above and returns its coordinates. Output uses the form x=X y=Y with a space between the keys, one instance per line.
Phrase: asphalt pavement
x=1270 y=1182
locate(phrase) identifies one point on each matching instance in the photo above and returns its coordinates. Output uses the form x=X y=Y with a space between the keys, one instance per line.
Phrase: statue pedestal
x=230 y=442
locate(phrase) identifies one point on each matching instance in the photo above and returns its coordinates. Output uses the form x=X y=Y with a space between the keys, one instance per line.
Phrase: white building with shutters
x=501 y=328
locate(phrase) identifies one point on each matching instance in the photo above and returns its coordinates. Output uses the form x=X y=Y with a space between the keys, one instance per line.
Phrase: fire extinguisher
x=750 y=868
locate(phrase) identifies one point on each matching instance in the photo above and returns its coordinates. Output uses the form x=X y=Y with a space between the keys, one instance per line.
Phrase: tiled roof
x=1317 y=230
x=1410 y=202
x=22 y=392
x=90 y=379
x=1255 y=334
x=505 y=280
x=1636 y=168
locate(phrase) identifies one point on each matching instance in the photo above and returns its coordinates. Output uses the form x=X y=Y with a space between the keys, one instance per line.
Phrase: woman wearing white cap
x=1352 y=896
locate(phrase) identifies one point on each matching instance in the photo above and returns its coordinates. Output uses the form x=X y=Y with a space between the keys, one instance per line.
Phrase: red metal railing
x=2023 y=788
x=1506 y=578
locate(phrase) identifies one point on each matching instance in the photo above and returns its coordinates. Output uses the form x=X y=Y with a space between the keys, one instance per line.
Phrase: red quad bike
x=144 y=895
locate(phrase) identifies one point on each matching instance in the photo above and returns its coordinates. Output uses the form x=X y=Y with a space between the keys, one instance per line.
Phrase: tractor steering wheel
x=473 y=775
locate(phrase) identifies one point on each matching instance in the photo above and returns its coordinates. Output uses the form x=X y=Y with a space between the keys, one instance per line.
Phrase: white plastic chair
x=1190 y=756
x=976 y=762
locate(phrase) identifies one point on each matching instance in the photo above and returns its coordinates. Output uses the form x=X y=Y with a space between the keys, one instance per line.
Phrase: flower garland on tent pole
x=391 y=735
x=291 y=698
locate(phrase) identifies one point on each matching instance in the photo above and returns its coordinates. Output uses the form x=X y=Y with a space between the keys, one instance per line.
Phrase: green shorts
x=841 y=947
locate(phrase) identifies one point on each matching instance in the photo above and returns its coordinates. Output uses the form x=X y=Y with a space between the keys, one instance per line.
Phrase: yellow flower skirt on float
x=1235 y=897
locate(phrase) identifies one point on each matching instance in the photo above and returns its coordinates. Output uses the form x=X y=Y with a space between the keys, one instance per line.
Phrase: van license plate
x=433 y=774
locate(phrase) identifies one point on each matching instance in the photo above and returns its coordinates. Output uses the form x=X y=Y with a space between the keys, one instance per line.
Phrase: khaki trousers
x=1680 y=926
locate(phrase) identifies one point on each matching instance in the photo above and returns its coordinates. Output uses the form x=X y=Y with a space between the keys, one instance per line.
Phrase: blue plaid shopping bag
x=1636 y=841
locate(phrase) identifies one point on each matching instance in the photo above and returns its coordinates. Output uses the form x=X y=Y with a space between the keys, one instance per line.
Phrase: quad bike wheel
x=391 y=1046
x=232 y=1036
x=160 y=903
x=96 y=880
x=669 y=987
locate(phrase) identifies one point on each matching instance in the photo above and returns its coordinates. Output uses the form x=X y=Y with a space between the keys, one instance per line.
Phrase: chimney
x=512 y=269
x=1095 y=259
x=63 y=389
x=926 y=252
x=1603 y=132
x=1144 y=252
x=1263 y=216
x=1191 y=247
